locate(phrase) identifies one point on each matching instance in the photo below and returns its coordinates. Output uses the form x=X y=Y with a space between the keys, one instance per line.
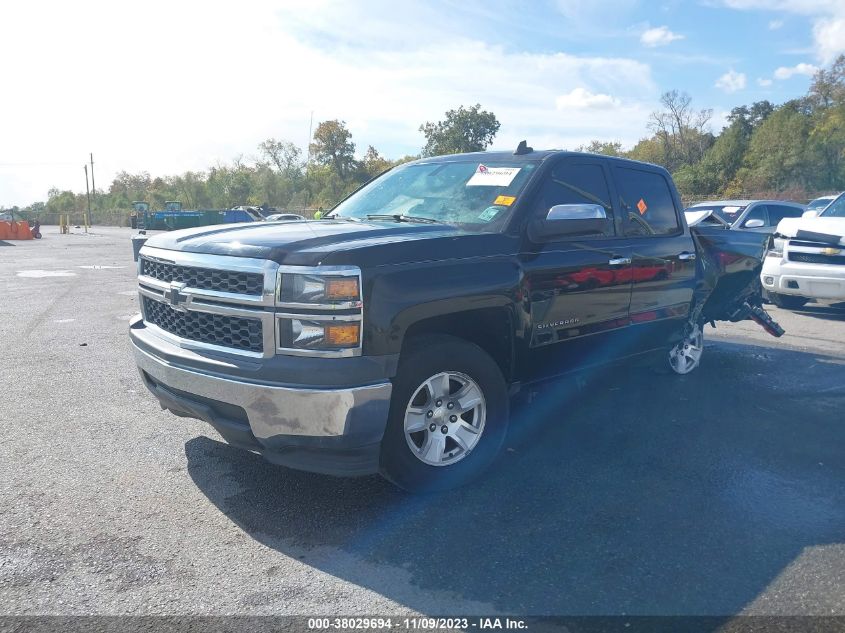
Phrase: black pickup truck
x=390 y=336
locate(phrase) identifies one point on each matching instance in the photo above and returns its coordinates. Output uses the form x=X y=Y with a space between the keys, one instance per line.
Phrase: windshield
x=835 y=209
x=729 y=213
x=479 y=195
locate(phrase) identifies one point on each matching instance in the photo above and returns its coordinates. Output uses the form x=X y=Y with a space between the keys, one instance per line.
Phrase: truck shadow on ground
x=832 y=312
x=637 y=493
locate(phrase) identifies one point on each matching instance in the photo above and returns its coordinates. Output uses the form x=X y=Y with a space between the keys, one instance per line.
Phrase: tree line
x=792 y=150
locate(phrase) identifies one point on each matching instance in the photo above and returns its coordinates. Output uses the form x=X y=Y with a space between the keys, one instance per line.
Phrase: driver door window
x=575 y=183
x=757 y=213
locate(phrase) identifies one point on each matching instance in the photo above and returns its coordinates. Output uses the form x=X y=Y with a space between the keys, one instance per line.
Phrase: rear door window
x=645 y=198
x=778 y=212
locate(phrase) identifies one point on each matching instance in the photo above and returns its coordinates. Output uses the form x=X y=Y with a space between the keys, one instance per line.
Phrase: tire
x=685 y=356
x=789 y=302
x=447 y=365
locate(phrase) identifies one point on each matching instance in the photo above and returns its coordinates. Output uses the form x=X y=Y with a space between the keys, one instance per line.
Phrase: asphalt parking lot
x=624 y=492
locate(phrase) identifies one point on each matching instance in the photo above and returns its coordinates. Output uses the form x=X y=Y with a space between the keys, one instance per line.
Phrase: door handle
x=685 y=257
x=620 y=261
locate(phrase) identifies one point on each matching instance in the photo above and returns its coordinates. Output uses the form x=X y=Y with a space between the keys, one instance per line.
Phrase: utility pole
x=93 y=186
x=88 y=193
x=310 y=126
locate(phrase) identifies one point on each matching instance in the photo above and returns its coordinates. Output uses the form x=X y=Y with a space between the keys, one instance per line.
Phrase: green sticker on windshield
x=489 y=213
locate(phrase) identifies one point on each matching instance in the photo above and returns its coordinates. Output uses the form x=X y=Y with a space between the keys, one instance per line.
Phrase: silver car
x=761 y=216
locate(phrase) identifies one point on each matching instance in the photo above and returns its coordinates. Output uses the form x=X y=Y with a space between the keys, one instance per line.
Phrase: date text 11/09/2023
x=416 y=623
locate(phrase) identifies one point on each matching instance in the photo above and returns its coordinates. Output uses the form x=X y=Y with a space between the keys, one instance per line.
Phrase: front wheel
x=789 y=302
x=448 y=415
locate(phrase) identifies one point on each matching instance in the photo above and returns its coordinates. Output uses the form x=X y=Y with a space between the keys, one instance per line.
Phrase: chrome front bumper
x=276 y=410
x=336 y=431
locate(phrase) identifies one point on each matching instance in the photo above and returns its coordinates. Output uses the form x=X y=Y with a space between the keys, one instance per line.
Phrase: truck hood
x=299 y=243
x=789 y=227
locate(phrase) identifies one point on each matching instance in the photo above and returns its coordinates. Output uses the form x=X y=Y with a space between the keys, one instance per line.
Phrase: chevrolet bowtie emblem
x=831 y=251
x=174 y=297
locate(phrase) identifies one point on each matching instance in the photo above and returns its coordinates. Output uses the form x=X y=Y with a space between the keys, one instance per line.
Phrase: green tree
x=828 y=87
x=827 y=148
x=463 y=130
x=333 y=147
x=373 y=163
x=608 y=148
x=777 y=153
x=284 y=156
x=680 y=130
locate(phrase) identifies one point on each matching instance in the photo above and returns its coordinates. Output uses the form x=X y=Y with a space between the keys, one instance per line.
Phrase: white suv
x=808 y=260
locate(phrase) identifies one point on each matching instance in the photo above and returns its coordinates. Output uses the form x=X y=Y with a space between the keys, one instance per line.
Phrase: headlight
x=328 y=335
x=777 y=247
x=326 y=290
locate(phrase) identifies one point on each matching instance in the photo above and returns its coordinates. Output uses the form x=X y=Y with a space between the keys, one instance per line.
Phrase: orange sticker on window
x=505 y=201
x=642 y=206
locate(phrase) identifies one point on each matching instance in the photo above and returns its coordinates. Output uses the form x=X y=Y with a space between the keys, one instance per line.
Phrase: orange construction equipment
x=15 y=231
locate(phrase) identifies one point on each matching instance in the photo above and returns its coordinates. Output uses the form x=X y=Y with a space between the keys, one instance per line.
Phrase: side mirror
x=810 y=214
x=755 y=223
x=570 y=219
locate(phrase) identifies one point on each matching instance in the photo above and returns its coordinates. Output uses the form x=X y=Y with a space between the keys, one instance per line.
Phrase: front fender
x=403 y=296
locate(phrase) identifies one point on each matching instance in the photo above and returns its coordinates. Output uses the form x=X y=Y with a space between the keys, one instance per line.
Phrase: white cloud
x=731 y=81
x=785 y=72
x=829 y=36
x=659 y=36
x=187 y=105
x=828 y=21
x=764 y=82
x=774 y=25
x=580 y=98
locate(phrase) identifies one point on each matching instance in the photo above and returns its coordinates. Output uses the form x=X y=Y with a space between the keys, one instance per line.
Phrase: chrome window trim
x=322 y=353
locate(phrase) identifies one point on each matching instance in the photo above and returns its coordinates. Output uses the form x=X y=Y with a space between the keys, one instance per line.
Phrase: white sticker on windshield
x=486 y=176
x=730 y=210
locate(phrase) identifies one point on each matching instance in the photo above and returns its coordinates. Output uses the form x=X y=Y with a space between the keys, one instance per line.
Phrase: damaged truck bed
x=729 y=276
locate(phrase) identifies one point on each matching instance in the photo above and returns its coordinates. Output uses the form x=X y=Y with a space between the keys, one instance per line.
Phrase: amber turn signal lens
x=342 y=288
x=346 y=335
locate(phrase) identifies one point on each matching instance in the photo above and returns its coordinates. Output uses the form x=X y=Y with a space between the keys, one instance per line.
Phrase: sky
x=177 y=85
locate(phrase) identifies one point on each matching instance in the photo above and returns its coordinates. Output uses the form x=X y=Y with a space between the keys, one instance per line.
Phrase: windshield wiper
x=402 y=218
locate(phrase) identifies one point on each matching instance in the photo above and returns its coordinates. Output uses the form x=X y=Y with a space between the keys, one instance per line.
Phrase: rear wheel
x=686 y=355
x=789 y=302
x=448 y=415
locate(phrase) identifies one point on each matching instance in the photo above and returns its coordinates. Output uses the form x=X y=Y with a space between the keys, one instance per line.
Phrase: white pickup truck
x=808 y=259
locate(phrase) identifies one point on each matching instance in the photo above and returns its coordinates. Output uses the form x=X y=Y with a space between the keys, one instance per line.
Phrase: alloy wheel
x=445 y=418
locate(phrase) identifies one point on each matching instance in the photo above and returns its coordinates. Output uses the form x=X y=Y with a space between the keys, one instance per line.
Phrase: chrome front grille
x=210 y=302
x=236 y=282
x=816 y=258
x=226 y=304
x=214 y=329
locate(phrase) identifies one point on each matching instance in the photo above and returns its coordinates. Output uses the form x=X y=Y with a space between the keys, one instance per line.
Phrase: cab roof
x=530 y=156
